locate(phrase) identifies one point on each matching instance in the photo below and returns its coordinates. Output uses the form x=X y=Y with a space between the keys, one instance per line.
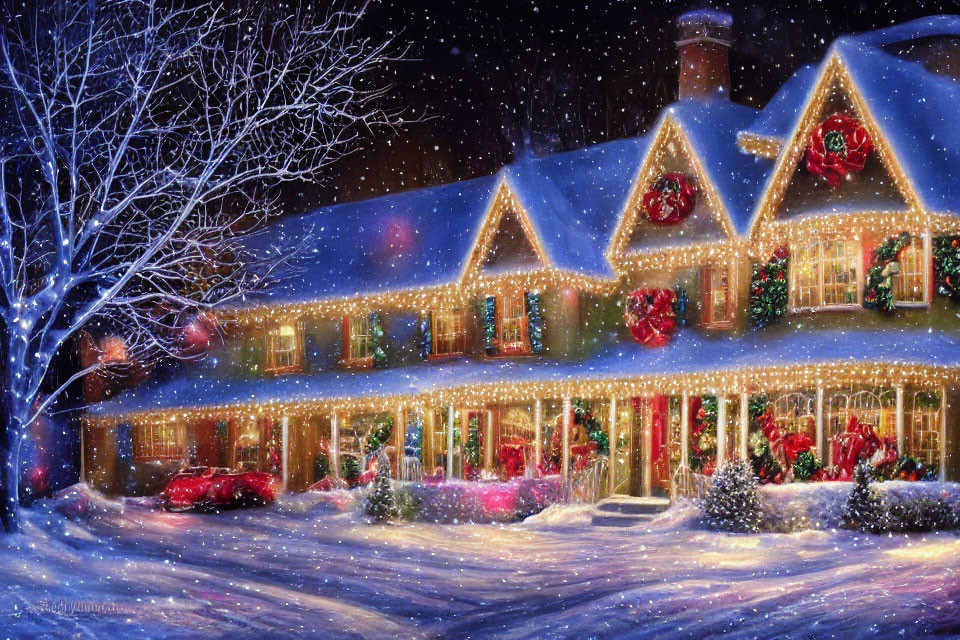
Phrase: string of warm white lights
x=725 y=382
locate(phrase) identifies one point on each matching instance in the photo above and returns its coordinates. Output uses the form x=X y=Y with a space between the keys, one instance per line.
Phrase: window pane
x=285 y=346
x=806 y=275
x=719 y=293
x=840 y=258
x=448 y=331
x=513 y=323
x=908 y=284
x=359 y=337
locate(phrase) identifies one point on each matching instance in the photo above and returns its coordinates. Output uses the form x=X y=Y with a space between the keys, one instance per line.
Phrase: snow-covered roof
x=712 y=127
x=779 y=117
x=688 y=352
x=411 y=239
x=916 y=111
x=574 y=200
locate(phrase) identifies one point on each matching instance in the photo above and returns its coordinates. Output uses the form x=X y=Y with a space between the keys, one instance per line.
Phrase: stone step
x=620 y=519
x=631 y=505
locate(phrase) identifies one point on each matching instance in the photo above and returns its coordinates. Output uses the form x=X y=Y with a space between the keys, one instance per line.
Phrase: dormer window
x=826 y=274
x=284 y=353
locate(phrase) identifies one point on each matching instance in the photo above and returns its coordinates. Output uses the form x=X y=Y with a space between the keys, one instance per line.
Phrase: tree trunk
x=10 y=476
x=9 y=444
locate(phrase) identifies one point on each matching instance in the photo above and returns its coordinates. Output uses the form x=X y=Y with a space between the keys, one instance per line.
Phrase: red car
x=213 y=488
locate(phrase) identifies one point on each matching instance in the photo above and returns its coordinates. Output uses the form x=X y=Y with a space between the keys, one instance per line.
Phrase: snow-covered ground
x=303 y=568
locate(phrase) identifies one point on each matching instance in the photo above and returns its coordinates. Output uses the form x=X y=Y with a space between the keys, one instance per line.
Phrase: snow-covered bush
x=923 y=514
x=381 y=501
x=865 y=509
x=732 y=502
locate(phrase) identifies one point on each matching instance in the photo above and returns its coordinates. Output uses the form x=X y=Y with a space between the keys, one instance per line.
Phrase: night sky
x=494 y=77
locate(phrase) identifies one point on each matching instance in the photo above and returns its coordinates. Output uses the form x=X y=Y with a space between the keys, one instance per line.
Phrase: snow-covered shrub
x=381 y=502
x=865 y=509
x=732 y=502
x=923 y=513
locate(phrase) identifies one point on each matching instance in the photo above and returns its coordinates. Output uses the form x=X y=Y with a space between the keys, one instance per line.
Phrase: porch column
x=901 y=439
x=285 y=451
x=450 y=421
x=744 y=425
x=427 y=442
x=335 y=445
x=721 y=430
x=538 y=430
x=611 y=466
x=820 y=443
x=646 y=445
x=399 y=440
x=567 y=424
x=488 y=441
x=943 y=433
x=685 y=429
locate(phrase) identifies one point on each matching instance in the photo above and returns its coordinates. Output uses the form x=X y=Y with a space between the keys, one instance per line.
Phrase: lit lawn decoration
x=512 y=455
x=877 y=293
x=838 y=148
x=650 y=317
x=670 y=200
x=212 y=488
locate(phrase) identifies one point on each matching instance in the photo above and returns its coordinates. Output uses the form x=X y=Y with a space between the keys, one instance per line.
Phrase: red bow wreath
x=837 y=148
x=670 y=199
x=649 y=316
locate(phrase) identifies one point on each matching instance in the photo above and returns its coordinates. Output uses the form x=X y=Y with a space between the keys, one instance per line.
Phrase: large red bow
x=837 y=148
x=649 y=316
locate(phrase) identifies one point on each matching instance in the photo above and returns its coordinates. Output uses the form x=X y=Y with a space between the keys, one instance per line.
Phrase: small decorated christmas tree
x=864 y=510
x=381 y=502
x=732 y=502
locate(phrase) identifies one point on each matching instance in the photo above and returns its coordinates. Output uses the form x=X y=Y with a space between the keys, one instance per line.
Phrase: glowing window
x=164 y=441
x=359 y=332
x=825 y=273
x=449 y=334
x=513 y=323
x=909 y=285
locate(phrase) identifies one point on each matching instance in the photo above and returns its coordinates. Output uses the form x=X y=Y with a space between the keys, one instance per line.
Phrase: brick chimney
x=704 y=40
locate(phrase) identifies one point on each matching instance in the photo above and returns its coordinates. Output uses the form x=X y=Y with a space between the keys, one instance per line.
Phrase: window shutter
x=490 y=326
x=425 y=337
x=534 y=322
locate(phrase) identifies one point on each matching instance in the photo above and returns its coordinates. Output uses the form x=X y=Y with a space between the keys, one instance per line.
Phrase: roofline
x=832 y=68
x=730 y=380
x=616 y=250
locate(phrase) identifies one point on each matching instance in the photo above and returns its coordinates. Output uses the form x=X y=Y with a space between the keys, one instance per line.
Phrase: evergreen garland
x=380 y=434
x=377 y=335
x=583 y=416
x=805 y=466
x=471 y=448
x=946 y=266
x=534 y=322
x=490 y=326
x=703 y=446
x=349 y=468
x=424 y=336
x=877 y=292
x=768 y=290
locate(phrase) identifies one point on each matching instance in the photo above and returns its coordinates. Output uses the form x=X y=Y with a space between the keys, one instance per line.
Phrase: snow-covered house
x=522 y=323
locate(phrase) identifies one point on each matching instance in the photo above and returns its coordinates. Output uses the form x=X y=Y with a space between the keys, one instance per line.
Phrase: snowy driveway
x=306 y=571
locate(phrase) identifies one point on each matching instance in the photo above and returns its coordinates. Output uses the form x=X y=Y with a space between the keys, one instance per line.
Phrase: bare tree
x=143 y=139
